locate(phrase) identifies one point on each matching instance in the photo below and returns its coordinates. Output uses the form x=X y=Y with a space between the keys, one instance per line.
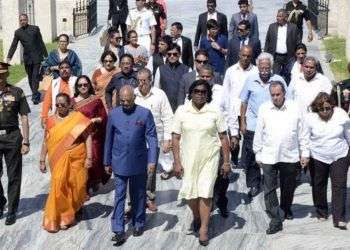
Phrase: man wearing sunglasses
x=201 y=59
x=114 y=43
x=304 y=88
x=63 y=84
x=242 y=38
x=117 y=13
x=168 y=76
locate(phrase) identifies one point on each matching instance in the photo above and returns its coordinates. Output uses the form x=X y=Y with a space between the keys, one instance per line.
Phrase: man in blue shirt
x=130 y=151
x=216 y=46
x=254 y=93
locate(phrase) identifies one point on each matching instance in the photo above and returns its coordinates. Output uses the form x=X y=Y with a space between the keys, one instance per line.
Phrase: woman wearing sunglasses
x=67 y=142
x=329 y=128
x=90 y=105
x=200 y=129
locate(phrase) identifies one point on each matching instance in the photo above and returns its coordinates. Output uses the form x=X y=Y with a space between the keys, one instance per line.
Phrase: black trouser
x=151 y=182
x=10 y=148
x=287 y=172
x=33 y=72
x=279 y=63
x=319 y=172
x=220 y=187
x=299 y=35
x=252 y=170
x=123 y=27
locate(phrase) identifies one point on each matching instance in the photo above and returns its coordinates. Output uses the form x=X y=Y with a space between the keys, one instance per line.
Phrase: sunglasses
x=200 y=92
x=326 y=109
x=85 y=85
x=61 y=105
x=241 y=29
x=201 y=62
x=172 y=54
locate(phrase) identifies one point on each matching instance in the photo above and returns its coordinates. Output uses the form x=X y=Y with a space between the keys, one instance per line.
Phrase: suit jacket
x=186 y=82
x=271 y=39
x=202 y=26
x=237 y=18
x=187 y=53
x=234 y=46
x=118 y=11
x=127 y=137
x=34 y=49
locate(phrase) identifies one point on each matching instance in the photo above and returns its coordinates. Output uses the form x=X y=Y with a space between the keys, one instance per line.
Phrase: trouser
x=252 y=170
x=137 y=185
x=33 y=72
x=10 y=148
x=123 y=27
x=279 y=63
x=151 y=182
x=220 y=188
x=145 y=40
x=299 y=35
x=287 y=172
x=319 y=172
x=235 y=151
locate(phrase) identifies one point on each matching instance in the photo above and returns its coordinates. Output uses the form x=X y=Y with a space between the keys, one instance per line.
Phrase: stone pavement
x=168 y=228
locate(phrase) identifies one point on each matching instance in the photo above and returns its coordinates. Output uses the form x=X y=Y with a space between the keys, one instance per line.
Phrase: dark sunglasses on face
x=201 y=62
x=172 y=54
x=85 y=85
x=61 y=105
x=199 y=92
x=241 y=30
x=325 y=109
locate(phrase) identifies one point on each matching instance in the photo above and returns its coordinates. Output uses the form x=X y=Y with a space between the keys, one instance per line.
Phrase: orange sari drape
x=68 y=174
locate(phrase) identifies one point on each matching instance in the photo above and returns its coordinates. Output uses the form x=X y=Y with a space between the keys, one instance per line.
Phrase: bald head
x=245 y=56
x=127 y=97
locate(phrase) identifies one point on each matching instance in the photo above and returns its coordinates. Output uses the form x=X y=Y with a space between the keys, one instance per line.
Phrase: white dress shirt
x=234 y=80
x=158 y=103
x=141 y=21
x=296 y=70
x=280 y=134
x=213 y=16
x=150 y=63
x=329 y=141
x=304 y=92
x=281 y=46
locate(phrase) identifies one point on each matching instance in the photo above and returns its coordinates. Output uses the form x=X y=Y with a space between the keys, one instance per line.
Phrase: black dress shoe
x=274 y=229
x=203 y=242
x=119 y=239
x=254 y=191
x=341 y=225
x=288 y=215
x=137 y=232
x=223 y=212
x=10 y=219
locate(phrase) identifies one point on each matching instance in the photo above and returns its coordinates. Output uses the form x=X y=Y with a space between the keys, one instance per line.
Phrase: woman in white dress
x=198 y=130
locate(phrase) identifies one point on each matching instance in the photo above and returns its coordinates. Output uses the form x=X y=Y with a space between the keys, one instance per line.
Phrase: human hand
x=166 y=146
x=215 y=45
x=225 y=169
x=234 y=142
x=310 y=36
x=96 y=120
x=108 y=169
x=151 y=168
x=42 y=166
x=304 y=161
x=178 y=170
x=24 y=149
x=243 y=127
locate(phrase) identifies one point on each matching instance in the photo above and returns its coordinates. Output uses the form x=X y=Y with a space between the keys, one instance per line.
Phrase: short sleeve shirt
x=13 y=102
x=141 y=21
x=296 y=14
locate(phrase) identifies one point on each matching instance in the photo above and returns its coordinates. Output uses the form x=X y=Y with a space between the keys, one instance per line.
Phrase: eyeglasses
x=324 y=109
x=172 y=54
x=61 y=105
x=85 y=85
x=201 y=61
x=200 y=92
x=241 y=29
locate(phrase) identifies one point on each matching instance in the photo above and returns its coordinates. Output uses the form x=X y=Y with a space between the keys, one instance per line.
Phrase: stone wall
x=339 y=21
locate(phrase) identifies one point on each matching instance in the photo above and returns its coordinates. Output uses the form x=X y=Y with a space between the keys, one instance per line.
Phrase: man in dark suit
x=185 y=44
x=281 y=41
x=204 y=17
x=117 y=14
x=130 y=152
x=244 y=14
x=236 y=43
x=34 y=51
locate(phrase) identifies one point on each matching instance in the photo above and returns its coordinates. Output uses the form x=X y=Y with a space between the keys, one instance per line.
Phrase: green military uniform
x=12 y=104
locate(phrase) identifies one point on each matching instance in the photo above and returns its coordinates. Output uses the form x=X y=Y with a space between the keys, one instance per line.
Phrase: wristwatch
x=26 y=144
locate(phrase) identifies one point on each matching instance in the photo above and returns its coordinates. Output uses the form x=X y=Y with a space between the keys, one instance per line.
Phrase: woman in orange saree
x=102 y=76
x=68 y=146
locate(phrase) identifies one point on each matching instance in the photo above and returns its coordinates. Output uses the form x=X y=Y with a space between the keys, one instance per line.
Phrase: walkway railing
x=84 y=17
x=319 y=15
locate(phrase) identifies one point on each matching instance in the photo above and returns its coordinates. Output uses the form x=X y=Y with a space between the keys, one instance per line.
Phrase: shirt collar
x=192 y=109
x=138 y=93
x=316 y=77
x=238 y=67
x=283 y=108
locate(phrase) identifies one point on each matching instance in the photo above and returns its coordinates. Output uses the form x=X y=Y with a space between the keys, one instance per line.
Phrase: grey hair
x=311 y=58
x=277 y=83
x=265 y=56
x=207 y=67
x=145 y=71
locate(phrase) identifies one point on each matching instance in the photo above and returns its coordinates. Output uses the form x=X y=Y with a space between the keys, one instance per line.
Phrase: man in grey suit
x=281 y=41
x=201 y=58
x=244 y=14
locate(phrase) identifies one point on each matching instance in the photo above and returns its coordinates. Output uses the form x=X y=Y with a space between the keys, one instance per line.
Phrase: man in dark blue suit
x=130 y=151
